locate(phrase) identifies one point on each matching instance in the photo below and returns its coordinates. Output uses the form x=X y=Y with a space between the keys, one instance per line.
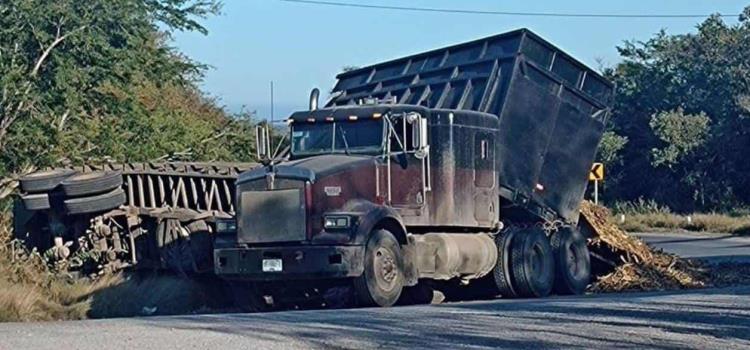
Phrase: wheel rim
x=386 y=269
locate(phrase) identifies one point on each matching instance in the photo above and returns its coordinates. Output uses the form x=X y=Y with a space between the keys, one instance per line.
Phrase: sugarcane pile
x=625 y=263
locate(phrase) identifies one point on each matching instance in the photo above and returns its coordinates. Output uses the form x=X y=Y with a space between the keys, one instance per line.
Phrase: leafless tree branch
x=57 y=41
x=12 y=115
x=63 y=119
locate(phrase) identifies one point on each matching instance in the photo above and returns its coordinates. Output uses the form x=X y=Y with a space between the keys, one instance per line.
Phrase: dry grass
x=699 y=222
x=647 y=215
x=30 y=292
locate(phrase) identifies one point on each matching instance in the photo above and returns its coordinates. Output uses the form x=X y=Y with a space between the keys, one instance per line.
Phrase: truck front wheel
x=382 y=281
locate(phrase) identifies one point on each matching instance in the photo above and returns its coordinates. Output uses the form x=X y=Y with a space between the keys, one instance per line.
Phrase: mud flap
x=409 y=251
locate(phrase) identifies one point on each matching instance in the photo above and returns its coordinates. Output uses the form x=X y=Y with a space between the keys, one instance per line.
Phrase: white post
x=596 y=192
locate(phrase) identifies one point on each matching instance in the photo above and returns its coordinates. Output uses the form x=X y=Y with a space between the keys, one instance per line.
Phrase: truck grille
x=271 y=216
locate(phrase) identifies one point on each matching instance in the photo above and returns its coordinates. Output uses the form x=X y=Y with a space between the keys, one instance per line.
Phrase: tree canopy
x=97 y=80
x=682 y=107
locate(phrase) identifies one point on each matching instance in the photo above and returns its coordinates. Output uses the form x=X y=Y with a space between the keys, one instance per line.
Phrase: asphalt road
x=697 y=319
x=713 y=247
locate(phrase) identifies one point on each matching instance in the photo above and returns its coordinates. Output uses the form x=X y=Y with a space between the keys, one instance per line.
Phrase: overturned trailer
x=111 y=216
x=462 y=163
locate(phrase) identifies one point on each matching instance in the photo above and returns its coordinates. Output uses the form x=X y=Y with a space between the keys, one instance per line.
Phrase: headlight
x=226 y=226
x=336 y=222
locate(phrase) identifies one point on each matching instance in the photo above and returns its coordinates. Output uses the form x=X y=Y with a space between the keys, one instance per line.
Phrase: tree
x=682 y=104
x=94 y=80
x=680 y=133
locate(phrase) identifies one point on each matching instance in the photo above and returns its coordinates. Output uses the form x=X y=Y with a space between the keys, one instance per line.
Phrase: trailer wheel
x=532 y=263
x=572 y=261
x=95 y=204
x=39 y=201
x=201 y=245
x=44 y=181
x=382 y=281
x=91 y=183
x=502 y=272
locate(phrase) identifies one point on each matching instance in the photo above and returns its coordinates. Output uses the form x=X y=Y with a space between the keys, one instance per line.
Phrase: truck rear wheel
x=572 y=261
x=382 y=281
x=501 y=274
x=533 y=268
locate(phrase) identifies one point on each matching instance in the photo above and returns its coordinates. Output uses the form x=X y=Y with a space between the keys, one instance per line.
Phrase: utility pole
x=272 y=102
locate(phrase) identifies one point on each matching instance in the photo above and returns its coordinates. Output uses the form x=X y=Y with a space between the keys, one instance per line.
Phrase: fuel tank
x=445 y=256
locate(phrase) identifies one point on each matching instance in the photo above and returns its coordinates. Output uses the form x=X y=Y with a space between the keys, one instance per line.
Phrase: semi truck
x=462 y=164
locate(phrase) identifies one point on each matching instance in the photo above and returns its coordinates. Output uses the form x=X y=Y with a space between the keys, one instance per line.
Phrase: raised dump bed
x=551 y=109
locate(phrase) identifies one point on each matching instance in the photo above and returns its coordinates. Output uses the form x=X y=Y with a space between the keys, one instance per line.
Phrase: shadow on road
x=667 y=320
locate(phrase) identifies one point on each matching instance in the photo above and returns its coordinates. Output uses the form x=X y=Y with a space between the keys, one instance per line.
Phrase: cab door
x=407 y=169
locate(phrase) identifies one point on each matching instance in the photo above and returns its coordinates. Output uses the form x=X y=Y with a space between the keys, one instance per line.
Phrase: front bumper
x=298 y=262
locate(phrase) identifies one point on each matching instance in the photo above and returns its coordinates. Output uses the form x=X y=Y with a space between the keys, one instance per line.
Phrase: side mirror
x=262 y=143
x=419 y=136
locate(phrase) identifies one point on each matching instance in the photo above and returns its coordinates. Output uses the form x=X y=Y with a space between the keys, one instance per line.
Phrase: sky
x=303 y=46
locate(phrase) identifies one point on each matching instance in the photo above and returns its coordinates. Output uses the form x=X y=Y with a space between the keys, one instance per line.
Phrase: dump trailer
x=459 y=164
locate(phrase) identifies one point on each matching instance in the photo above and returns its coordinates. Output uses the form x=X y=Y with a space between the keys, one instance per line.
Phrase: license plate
x=272 y=265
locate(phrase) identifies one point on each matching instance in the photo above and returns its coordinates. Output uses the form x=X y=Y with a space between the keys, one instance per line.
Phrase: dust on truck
x=458 y=164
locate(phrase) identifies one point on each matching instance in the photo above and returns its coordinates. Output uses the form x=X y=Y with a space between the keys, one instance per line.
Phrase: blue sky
x=301 y=46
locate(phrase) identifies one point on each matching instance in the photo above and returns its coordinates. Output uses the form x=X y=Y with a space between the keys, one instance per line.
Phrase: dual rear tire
x=532 y=265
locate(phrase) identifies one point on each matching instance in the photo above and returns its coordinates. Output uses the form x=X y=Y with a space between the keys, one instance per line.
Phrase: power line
x=500 y=13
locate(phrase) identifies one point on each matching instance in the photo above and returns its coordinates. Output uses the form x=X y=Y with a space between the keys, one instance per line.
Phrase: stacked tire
x=37 y=187
x=73 y=193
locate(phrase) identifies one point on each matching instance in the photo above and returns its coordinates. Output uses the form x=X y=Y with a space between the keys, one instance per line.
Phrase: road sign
x=597 y=172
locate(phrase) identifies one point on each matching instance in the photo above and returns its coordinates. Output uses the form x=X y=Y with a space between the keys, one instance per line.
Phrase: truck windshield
x=363 y=136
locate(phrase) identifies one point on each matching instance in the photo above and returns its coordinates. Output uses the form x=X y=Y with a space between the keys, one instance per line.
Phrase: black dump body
x=551 y=109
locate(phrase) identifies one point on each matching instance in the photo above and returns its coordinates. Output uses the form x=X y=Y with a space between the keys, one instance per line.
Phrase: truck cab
x=353 y=172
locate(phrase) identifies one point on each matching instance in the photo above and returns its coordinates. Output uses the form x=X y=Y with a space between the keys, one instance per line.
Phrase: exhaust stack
x=314 y=94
